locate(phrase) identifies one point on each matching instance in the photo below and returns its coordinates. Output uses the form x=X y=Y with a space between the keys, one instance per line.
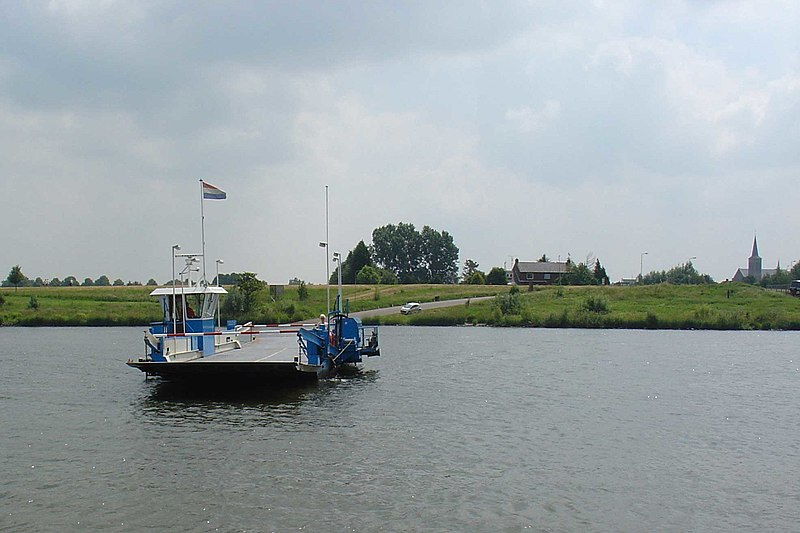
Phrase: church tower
x=754 y=262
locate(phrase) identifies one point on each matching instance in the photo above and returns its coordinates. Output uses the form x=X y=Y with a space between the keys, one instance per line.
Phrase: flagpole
x=203 y=231
x=327 y=254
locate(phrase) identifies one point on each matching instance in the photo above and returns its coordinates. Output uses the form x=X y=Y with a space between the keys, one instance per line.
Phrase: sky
x=574 y=129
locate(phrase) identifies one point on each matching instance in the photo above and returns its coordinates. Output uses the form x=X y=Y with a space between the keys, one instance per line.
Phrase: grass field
x=724 y=306
x=721 y=307
x=132 y=306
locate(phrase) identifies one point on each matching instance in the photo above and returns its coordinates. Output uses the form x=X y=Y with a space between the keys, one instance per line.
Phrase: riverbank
x=709 y=307
x=713 y=307
x=132 y=306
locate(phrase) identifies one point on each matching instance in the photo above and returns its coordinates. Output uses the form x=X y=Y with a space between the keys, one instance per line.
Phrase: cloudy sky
x=601 y=129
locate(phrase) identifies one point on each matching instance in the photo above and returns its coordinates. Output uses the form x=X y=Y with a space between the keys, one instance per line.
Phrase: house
x=537 y=272
x=754 y=267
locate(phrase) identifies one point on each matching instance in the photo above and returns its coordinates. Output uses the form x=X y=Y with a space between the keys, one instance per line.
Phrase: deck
x=266 y=357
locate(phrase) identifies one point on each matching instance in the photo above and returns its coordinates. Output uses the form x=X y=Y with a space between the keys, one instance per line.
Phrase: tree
x=249 y=285
x=388 y=277
x=368 y=275
x=119 y=283
x=794 y=272
x=38 y=282
x=476 y=278
x=440 y=256
x=55 y=282
x=15 y=277
x=87 y=282
x=578 y=274
x=69 y=281
x=302 y=291
x=399 y=249
x=496 y=276
x=357 y=259
x=427 y=257
x=151 y=282
x=600 y=276
x=102 y=281
x=470 y=266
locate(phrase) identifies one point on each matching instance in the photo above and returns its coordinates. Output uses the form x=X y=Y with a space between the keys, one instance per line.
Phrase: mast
x=327 y=255
x=203 y=232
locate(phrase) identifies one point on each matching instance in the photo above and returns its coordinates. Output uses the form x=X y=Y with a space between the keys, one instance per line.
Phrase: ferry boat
x=189 y=343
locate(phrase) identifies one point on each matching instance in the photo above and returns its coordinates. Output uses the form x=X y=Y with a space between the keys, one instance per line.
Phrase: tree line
x=16 y=278
x=684 y=274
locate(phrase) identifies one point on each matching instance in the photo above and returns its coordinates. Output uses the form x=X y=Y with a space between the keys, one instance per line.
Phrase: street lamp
x=337 y=258
x=327 y=275
x=219 y=262
x=175 y=247
x=641 y=265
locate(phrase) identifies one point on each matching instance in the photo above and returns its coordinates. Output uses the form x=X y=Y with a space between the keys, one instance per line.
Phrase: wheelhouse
x=188 y=325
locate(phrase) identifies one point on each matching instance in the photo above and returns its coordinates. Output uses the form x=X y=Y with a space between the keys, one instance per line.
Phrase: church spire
x=755 y=248
x=754 y=263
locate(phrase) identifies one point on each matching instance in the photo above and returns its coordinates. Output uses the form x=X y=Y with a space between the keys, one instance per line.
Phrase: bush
x=595 y=305
x=302 y=291
x=368 y=276
x=33 y=303
x=476 y=278
x=2 y=300
x=233 y=304
x=496 y=276
x=508 y=304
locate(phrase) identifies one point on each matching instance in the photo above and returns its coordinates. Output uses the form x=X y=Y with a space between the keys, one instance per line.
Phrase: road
x=429 y=305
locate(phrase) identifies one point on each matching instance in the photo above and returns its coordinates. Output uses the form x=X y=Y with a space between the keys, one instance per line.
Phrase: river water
x=452 y=429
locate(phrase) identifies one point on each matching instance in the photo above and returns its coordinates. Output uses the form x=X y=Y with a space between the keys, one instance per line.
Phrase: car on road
x=410 y=308
x=794 y=288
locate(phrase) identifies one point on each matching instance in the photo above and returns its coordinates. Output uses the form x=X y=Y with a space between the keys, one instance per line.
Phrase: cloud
x=520 y=128
x=529 y=121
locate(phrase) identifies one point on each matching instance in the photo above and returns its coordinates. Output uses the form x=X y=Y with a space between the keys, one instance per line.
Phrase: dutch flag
x=212 y=193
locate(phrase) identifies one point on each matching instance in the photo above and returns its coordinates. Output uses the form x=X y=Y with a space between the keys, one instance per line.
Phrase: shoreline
x=714 y=307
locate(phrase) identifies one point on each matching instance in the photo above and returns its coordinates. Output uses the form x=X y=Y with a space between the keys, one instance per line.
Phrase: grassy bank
x=726 y=306
x=721 y=307
x=132 y=306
